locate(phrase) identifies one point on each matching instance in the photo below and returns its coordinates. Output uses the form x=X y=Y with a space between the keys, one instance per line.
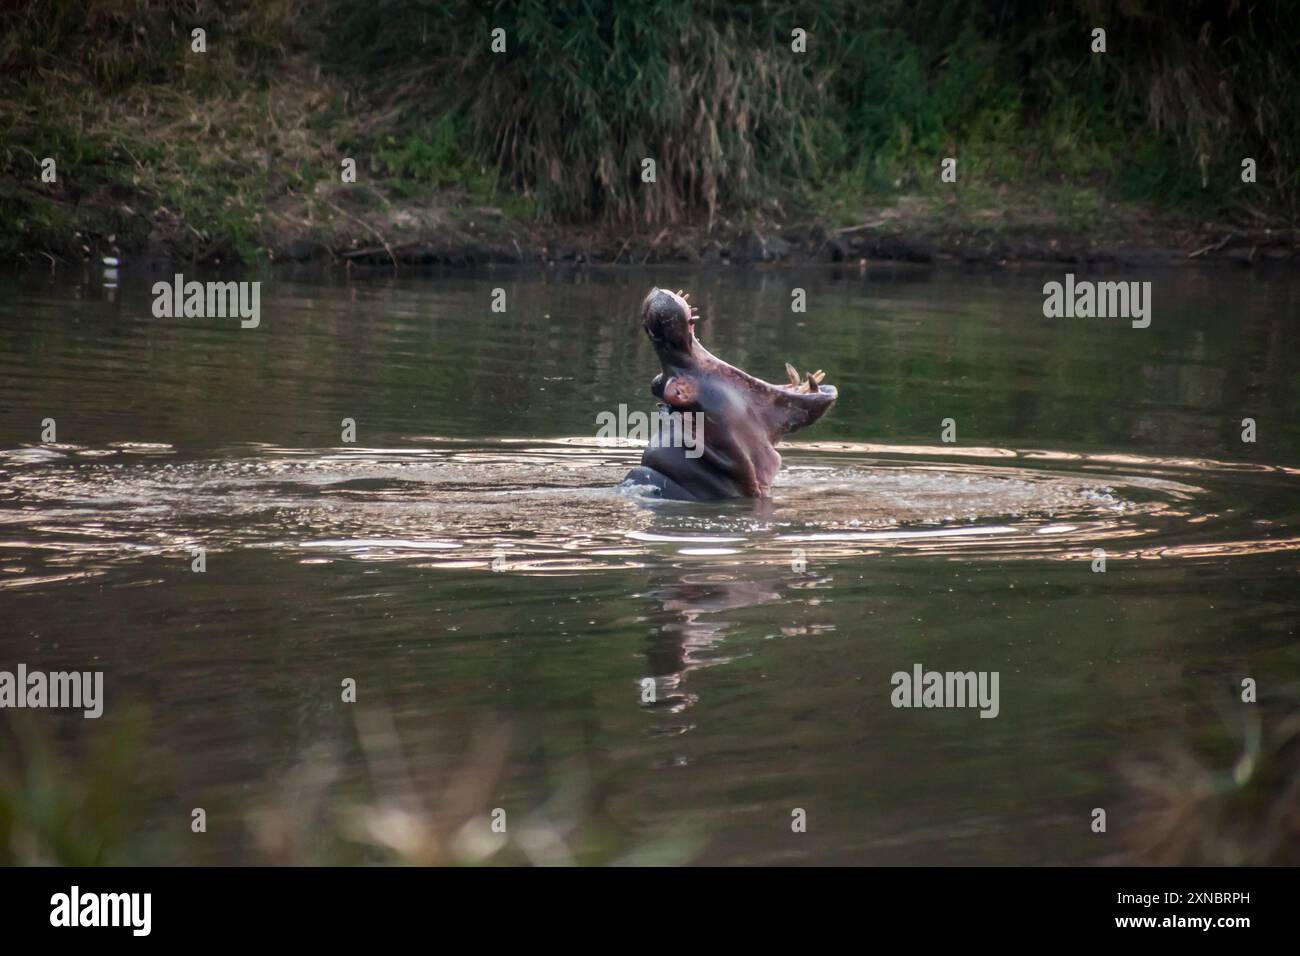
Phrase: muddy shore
x=484 y=236
x=816 y=243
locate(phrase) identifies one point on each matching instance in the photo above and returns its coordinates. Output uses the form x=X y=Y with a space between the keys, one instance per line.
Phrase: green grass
x=734 y=118
x=556 y=127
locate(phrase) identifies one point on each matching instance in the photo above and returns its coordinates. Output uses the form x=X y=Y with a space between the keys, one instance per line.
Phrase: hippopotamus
x=741 y=417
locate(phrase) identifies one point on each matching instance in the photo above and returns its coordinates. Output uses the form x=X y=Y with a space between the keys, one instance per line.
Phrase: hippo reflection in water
x=743 y=416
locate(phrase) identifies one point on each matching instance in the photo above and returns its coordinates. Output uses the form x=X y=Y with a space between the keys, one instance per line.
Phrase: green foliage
x=732 y=116
x=54 y=811
x=584 y=93
x=558 y=125
x=437 y=153
x=118 y=43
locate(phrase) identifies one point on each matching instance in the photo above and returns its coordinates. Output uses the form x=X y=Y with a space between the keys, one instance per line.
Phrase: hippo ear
x=681 y=391
x=792 y=409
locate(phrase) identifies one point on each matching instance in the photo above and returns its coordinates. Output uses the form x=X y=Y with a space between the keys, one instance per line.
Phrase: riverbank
x=118 y=139
x=362 y=225
x=168 y=183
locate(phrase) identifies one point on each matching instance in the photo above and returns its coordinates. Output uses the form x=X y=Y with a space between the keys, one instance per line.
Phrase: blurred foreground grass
x=103 y=799
x=1227 y=794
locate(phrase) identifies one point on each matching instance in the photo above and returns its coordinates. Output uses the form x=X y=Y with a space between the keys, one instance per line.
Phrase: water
x=468 y=562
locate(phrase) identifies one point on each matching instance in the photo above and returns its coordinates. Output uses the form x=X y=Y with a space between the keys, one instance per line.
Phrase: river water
x=621 y=678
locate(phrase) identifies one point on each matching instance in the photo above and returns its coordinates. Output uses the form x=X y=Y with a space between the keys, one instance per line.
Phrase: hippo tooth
x=792 y=373
x=818 y=375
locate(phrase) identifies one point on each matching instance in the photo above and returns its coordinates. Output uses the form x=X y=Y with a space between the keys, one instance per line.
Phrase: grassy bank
x=235 y=152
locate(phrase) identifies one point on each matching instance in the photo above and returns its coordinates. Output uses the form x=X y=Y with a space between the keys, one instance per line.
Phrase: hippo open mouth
x=737 y=418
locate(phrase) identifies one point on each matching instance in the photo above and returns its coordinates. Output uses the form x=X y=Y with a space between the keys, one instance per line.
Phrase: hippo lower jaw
x=643 y=475
x=740 y=417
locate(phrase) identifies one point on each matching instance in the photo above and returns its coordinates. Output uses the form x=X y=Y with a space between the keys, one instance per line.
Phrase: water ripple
x=552 y=507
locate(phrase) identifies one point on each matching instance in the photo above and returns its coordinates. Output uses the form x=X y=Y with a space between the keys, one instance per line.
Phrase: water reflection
x=553 y=508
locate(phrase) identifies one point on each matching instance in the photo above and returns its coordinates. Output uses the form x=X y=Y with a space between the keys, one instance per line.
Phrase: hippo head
x=740 y=417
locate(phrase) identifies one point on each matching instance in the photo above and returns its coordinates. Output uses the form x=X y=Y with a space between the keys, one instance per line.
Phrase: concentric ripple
x=552 y=507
